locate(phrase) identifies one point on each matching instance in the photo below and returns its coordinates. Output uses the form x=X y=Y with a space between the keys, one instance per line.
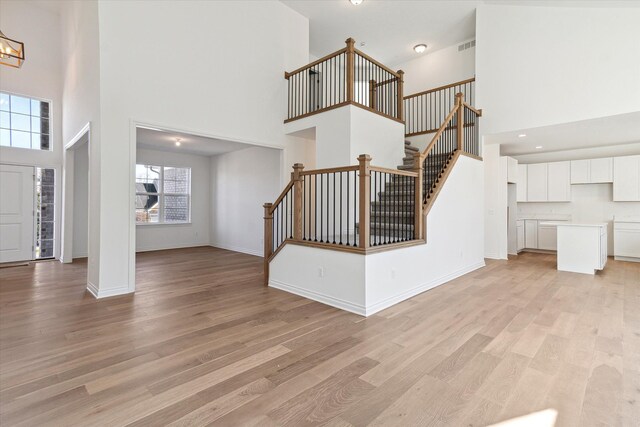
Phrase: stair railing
x=359 y=209
x=426 y=111
x=345 y=77
x=458 y=134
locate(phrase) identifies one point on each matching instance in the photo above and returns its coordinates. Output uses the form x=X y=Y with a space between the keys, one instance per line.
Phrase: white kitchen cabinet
x=531 y=233
x=559 y=182
x=601 y=170
x=547 y=236
x=582 y=248
x=520 y=235
x=512 y=170
x=626 y=239
x=521 y=185
x=592 y=171
x=580 y=172
x=537 y=182
x=626 y=179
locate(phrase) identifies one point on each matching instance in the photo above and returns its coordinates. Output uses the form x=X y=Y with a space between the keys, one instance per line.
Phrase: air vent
x=467 y=45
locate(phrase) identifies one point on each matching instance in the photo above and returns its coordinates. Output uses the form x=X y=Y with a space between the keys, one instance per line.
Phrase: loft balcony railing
x=345 y=77
x=425 y=111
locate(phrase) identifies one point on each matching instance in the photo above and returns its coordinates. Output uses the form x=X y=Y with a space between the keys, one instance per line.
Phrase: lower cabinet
x=626 y=240
x=539 y=234
x=547 y=237
x=531 y=233
x=520 y=235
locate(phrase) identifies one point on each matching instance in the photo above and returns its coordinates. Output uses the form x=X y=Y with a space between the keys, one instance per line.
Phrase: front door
x=16 y=213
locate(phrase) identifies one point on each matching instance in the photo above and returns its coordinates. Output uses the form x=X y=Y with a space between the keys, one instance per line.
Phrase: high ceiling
x=600 y=132
x=156 y=139
x=389 y=29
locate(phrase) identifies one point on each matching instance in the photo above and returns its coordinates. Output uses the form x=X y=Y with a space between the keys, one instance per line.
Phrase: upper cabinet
x=592 y=171
x=559 y=182
x=537 y=182
x=626 y=179
x=544 y=182
x=522 y=183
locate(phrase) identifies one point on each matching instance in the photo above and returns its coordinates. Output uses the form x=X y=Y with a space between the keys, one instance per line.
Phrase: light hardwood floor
x=203 y=342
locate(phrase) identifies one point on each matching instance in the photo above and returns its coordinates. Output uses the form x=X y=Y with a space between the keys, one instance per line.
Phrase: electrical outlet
x=320 y=272
x=393 y=273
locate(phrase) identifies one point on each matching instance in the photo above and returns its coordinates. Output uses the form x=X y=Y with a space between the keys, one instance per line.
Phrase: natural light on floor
x=544 y=418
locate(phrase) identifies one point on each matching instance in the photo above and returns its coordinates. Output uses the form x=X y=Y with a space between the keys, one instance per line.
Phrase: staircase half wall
x=343 y=133
x=366 y=284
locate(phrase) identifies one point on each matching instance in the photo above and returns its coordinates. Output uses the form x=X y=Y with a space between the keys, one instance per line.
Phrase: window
x=24 y=122
x=45 y=187
x=163 y=194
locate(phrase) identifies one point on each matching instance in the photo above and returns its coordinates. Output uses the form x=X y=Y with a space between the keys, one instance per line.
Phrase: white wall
x=167 y=236
x=367 y=284
x=81 y=105
x=539 y=66
x=589 y=203
x=584 y=153
x=342 y=134
x=40 y=77
x=495 y=204
x=81 y=201
x=241 y=182
x=211 y=68
x=438 y=68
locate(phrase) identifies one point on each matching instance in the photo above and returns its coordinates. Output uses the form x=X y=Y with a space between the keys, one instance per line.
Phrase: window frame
x=51 y=120
x=161 y=199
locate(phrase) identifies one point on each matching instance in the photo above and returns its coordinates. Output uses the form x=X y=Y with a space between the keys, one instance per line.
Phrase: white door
x=16 y=213
x=559 y=182
x=537 y=182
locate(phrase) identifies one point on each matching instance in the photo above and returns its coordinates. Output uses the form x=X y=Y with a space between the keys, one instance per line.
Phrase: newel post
x=459 y=98
x=268 y=239
x=364 y=161
x=351 y=69
x=400 y=95
x=297 y=201
x=418 y=215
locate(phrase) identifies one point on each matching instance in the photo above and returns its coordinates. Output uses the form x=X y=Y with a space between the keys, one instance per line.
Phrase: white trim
x=180 y=246
x=93 y=290
x=325 y=299
x=86 y=128
x=386 y=303
x=233 y=248
x=626 y=258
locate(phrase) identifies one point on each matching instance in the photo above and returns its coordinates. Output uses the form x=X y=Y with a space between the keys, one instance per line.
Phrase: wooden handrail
x=393 y=171
x=314 y=63
x=435 y=89
x=370 y=59
x=478 y=112
x=435 y=138
x=330 y=170
x=282 y=195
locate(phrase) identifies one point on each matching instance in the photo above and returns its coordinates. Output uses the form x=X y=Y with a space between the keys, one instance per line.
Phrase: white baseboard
x=105 y=293
x=237 y=249
x=388 y=302
x=325 y=299
x=626 y=258
x=164 y=248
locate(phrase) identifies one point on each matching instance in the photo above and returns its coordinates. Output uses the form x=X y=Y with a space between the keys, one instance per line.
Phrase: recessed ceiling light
x=355 y=2
x=538 y=147
x=178 y=143
x=419 y=48
x=522 y=135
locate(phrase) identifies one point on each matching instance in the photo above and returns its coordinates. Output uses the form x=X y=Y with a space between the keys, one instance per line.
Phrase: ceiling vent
x=467 y=45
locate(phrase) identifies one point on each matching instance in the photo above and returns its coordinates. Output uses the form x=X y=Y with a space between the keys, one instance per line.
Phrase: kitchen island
x=582 y=247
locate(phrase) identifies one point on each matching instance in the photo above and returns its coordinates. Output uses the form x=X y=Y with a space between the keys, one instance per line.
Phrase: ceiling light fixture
x=355 y=2
x=538 y=147
x=419 y=48
x=522 y=135
x=11 y=52
x=178 y=143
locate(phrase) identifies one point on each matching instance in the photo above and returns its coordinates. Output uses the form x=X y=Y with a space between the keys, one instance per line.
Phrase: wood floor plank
x=202 y=342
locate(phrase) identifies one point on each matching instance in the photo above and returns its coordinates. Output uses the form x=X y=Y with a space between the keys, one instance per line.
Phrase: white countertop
x=626 y=219
x=545 y=217
x=577 y=224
